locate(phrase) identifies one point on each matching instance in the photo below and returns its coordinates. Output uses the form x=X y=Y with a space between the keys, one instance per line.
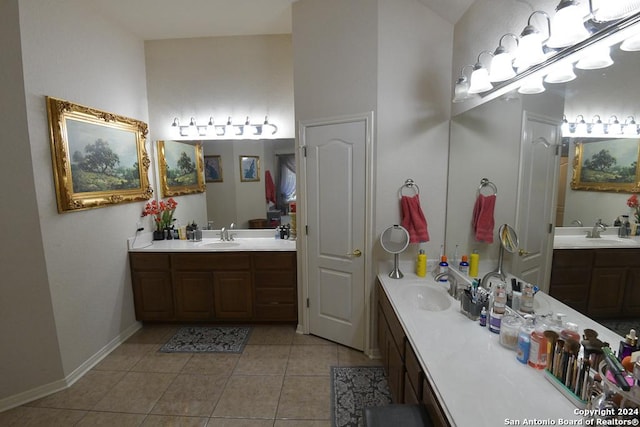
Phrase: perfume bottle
x=629 y=345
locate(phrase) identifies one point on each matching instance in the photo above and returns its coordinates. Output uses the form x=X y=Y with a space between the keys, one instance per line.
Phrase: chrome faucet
x=595 y=232
x=231 y=235
x=224 y=234
x=485 y=280
x=453 y=283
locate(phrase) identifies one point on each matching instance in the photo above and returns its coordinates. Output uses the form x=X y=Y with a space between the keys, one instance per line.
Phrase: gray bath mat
x=208 y=339
x=352 y=389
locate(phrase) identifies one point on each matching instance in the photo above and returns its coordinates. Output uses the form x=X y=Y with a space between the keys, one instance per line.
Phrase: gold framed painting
x=249 y=168
x=602 y=164
x=213 y=168
x=99 y=158
x=181 y=168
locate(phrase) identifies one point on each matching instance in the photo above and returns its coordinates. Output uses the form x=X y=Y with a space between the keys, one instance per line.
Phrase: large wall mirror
x=239 y=196
x=486 y=142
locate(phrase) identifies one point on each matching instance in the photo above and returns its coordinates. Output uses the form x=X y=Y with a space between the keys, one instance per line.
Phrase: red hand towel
x=269 y=187
x=482 y=220
x=413 y=219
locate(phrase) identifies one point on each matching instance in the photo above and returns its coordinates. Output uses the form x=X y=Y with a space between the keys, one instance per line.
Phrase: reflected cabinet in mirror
x=260 y=201
x=503 y=140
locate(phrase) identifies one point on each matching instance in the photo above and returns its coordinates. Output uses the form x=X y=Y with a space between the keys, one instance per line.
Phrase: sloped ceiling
x=169 y=19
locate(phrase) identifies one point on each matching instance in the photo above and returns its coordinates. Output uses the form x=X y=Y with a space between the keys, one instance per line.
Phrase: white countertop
x=244 y=241
x=478 y=381
x=575 y=238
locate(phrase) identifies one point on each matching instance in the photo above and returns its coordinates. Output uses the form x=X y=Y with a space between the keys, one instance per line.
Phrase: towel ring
x=410 y=185
x=484 y=182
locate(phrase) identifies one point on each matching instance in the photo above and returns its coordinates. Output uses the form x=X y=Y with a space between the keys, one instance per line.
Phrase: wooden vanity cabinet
x=229 y=286
x=597 y=282
x=152 y=288
x=407 y=381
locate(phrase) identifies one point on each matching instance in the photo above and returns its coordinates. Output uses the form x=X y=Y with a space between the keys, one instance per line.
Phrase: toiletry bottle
x=538 y=349
x=499 y=298
x=570 y=332
x=421 y=264
x=524 y=340
x=483 y=317
x=526 y=301
x=629 y=345
x=464 y=265
x=443 y=267
x=474 y=264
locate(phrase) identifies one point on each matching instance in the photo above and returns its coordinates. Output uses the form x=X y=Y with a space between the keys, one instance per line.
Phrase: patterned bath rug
x=352 y=389
x=208 y=339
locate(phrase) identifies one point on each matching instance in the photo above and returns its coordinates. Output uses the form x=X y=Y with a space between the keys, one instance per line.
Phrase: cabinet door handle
x=356 y=253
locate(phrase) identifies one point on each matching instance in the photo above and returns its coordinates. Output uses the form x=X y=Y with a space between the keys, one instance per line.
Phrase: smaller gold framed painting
x=249 y=168
x=213 y=168
x=181 y=168
x=99 y=158
x=606 y=165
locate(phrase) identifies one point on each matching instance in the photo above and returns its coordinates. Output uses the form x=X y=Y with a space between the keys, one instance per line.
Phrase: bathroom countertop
x=477 y=380
x=244 y=240
x=575 y=238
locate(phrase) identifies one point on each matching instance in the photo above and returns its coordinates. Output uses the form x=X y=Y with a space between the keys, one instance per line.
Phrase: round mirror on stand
x=508 y=242
x=395 y=240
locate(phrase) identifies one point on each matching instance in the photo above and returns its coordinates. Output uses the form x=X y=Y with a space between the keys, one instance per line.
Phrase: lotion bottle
x=421 y=264
x=444 y=267
x=464 y=265
x=474 y=264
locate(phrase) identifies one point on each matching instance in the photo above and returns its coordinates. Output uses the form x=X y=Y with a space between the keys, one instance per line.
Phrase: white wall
x=30 y=355
x=70 y=53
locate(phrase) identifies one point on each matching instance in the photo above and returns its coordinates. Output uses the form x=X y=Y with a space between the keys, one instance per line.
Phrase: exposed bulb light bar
x=229 y=130
x=598 y=129
x=567 y=25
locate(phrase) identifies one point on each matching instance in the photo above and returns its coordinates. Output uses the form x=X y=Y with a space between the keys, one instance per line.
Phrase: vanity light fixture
x=461 y=89
x=227 y=130
x=609 y=10
x=581 y=125
x=565 y=128
x=501 y=67
x=595 y=58
x=630 y=126
x=597 y=127
x=614 y=126
x=567 y=25
x=480 y=76
x=530 y=49
x=532 y=85
x=560 y=73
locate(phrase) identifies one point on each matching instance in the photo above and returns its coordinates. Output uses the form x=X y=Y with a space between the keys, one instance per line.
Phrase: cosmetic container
x=421 y=264
x=463 y=267
x=443 y=267
x=538 y=349
x=509 y=329
x=526 y=302
x=629 y=345
x=524 y=340
x=483 y=317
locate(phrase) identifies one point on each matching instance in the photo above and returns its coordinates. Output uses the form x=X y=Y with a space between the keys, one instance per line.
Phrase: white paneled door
x=336 y=229
x=536 y=195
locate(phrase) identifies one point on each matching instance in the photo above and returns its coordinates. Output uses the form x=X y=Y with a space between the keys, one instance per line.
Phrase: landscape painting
x=181 y=168
x=99 y=158
x=606 y=165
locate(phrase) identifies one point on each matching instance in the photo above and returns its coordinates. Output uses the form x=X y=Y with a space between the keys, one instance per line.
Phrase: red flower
x=632 y=201
x=162 y=212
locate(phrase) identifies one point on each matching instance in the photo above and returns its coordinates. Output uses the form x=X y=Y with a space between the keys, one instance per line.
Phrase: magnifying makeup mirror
x=395 y=240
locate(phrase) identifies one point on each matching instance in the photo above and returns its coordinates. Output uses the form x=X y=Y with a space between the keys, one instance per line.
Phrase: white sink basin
x=219 y=245
x=426 y=298
x=583 y=242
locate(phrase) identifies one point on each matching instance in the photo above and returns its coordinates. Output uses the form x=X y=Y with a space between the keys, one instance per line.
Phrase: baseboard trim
x=61 y=384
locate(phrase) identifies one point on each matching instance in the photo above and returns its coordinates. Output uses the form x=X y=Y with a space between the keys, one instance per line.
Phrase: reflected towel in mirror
x=413 y=219
x=483 y=221
x=269 y=188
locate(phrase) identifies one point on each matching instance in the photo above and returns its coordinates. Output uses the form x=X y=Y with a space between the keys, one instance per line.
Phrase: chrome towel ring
x=484 y=182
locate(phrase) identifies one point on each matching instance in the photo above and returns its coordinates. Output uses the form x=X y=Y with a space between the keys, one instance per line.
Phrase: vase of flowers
x=162 y=213
x=632 y=202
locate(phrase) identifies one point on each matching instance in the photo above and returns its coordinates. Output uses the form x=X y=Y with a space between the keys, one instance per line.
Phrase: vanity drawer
x=616 y=257
x=149 y=262
x=207 y=262
x=573 y=258
x=275 y=261
x=275 y=279
x=275 y=296
x=570 y=276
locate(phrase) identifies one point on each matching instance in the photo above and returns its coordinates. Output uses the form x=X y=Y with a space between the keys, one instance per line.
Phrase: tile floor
x=281 y=379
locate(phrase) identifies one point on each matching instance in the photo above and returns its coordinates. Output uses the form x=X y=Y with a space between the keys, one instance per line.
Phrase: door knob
x=523 y=252
x=356 y=253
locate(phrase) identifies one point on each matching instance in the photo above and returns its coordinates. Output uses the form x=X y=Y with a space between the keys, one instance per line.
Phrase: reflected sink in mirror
x=573 y=241
x=426 y=298
x=219 y=244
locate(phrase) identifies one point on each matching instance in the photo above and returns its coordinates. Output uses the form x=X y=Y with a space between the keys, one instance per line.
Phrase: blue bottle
x=524 y=340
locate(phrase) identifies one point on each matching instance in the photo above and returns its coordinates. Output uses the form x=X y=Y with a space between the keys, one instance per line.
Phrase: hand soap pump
x=629 y=345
